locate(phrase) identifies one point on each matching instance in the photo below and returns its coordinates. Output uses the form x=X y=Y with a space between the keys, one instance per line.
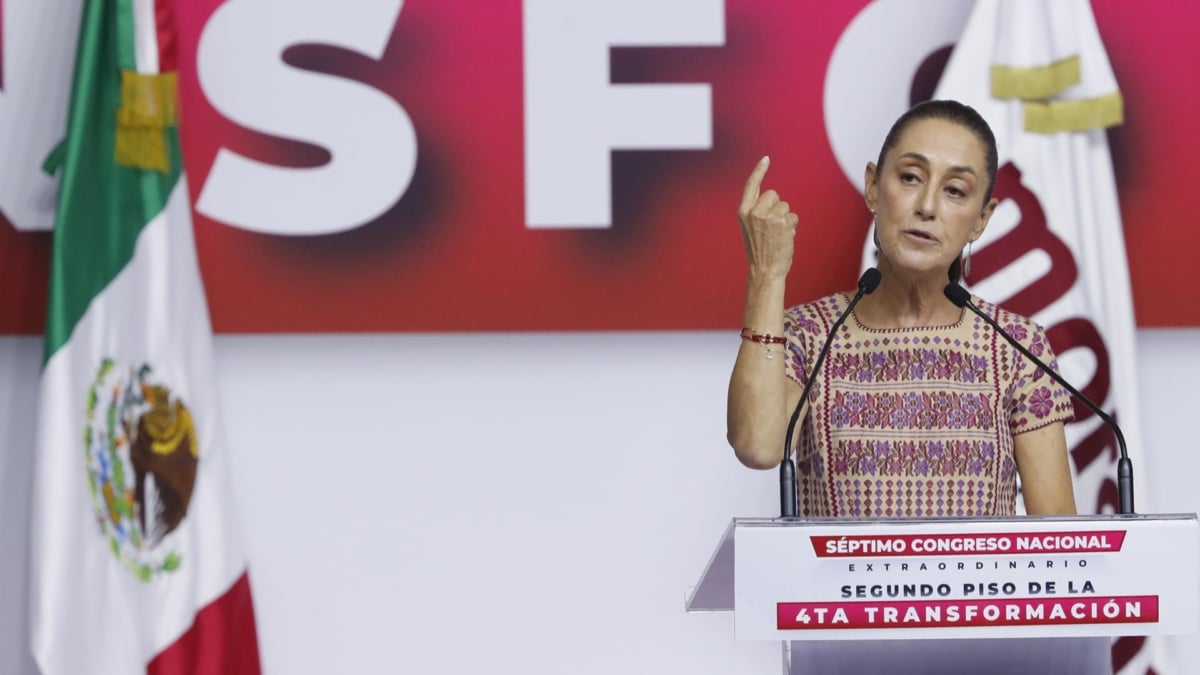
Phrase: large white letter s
x=370 y=138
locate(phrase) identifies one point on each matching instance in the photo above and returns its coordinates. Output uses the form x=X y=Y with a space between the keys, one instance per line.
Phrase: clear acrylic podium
x=978 y=596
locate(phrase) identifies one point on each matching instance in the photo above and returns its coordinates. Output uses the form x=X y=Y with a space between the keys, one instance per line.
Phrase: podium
x=981 y=595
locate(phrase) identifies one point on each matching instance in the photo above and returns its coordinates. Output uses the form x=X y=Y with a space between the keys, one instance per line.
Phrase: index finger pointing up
x=754 y=183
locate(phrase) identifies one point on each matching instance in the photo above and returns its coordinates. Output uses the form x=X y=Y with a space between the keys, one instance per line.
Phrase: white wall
x=20 y=359
x=440 y=503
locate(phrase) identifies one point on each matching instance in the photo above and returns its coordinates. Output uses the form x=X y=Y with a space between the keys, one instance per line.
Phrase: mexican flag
x=1055 y=249
x=136 y=563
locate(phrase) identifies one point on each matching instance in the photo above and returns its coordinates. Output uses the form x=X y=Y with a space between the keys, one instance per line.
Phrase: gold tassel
x=1037 y=81
x=1052 y=117
x=147 y=111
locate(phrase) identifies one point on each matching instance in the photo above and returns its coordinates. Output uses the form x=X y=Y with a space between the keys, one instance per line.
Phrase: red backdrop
x=454 y=252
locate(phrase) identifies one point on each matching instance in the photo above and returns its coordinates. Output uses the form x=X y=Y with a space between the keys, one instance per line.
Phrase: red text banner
x=1019 y=543
x=955 y=613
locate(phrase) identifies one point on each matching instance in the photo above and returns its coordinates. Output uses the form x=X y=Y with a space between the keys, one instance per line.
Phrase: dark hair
x=962 y=115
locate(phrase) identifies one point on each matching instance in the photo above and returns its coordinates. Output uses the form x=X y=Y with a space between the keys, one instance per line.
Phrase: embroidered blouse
x=916 y=422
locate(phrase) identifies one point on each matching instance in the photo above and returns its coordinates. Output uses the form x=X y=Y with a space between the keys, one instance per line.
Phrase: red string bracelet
x=764 y=339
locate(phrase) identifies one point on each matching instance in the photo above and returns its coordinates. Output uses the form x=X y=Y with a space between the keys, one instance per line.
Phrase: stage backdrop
x=498 y=165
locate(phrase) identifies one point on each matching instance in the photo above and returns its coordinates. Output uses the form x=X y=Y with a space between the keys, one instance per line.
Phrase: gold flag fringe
x=1036 y=81
x=1036 y=86
x=1051 y=117
x=147 y=110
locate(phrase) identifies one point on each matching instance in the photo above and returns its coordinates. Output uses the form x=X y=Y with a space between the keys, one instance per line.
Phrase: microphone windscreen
x=869 y=281
x=957 y=294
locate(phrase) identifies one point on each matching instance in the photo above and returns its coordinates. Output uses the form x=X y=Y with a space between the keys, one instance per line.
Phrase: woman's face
x=928 y=196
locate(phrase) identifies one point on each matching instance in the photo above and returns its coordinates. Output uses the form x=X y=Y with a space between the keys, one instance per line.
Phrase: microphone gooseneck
x=867 y=283
x=959 y=296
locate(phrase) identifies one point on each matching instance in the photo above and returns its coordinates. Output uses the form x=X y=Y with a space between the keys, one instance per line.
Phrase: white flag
x=1055 y=249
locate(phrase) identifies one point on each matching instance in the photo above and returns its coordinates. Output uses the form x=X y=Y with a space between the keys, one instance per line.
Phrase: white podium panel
x=828 y=580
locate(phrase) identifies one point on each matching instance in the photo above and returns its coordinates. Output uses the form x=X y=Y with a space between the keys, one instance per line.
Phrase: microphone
x=867 y=283
x=959 y=296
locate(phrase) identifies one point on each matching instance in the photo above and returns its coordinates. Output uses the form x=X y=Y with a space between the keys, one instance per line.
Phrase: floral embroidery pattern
x=801 y=322
x=1017 y=331
x=908 y=364
x=907 y=458
x=912 y=410
x=1040 y=403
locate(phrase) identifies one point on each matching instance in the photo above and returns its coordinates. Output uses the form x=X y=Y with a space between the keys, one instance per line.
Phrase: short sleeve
x=1037 y=400
x=799 y=328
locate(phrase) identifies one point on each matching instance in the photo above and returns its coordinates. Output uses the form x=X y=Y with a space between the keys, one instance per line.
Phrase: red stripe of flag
x=222 y=641
x=168 y=40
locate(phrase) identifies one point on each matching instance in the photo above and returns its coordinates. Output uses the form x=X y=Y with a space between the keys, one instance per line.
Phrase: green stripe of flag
x=102 y=207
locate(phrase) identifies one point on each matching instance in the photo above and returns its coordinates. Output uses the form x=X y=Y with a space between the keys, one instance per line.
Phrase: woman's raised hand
x=768 y=226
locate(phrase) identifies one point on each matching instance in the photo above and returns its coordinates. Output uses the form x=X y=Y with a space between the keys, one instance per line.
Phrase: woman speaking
x=919 y=409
